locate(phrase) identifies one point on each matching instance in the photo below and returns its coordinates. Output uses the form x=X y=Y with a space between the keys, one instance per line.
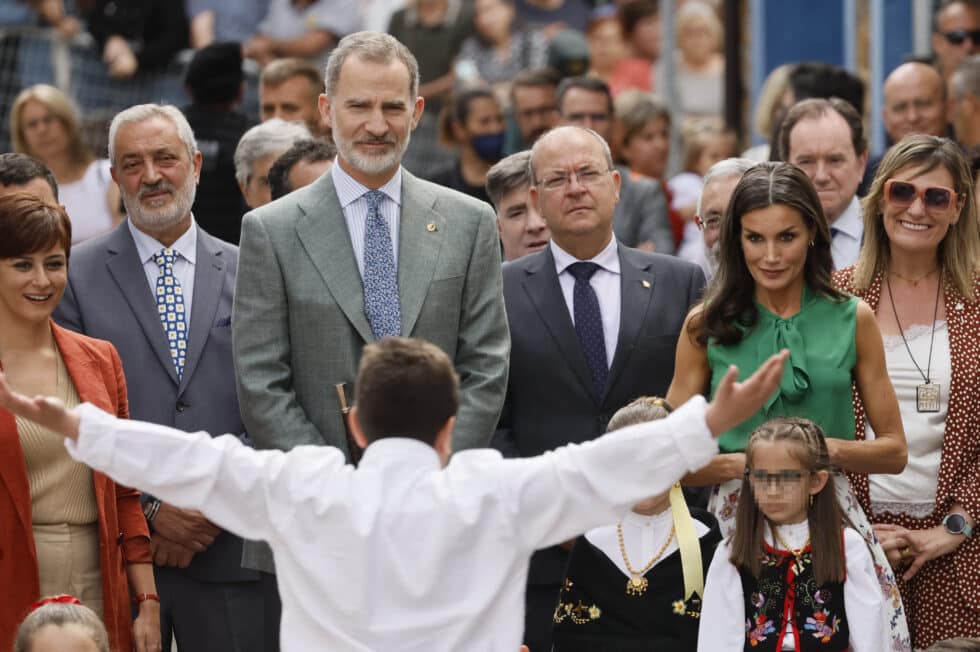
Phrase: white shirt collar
x=849 y=223
x=663 y=519
x=607 y=259
x=410 y=452
x=350 y=189
x=147 y=246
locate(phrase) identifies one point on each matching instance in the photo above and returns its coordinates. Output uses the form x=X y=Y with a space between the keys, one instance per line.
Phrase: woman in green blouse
x=773 y=290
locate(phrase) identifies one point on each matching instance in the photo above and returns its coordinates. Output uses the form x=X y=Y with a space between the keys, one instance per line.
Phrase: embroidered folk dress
x=594 y=612
x=736 y=619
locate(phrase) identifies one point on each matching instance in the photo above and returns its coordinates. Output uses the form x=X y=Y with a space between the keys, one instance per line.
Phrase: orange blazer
x=96 y=371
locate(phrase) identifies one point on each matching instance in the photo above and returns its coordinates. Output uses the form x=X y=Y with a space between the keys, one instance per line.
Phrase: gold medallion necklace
x=797 y=553
x=637 y=583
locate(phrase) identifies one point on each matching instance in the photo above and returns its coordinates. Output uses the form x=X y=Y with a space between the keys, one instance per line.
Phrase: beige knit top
x=62 y=490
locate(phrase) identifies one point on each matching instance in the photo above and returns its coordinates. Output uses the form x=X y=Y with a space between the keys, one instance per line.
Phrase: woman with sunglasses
x=918 y=272
x=772 y=291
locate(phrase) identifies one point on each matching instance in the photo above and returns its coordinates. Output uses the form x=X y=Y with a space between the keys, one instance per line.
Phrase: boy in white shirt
x=401 y=553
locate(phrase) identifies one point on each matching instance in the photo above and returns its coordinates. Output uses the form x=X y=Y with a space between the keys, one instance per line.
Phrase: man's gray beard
x=159 y=220
x=370 y=164
x=711 y=254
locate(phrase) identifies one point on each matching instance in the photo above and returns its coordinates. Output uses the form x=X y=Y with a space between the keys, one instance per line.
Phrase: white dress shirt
x=186 y=249
x=643 y=537
x=350 y=192
x=606 y=283
x=847 y=233
x=398 y=554
x=723 y=609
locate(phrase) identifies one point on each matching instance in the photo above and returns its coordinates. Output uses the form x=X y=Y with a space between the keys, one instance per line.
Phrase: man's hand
x=186 y=527
x=46 y=411
x=169 y=553
x=735 y=402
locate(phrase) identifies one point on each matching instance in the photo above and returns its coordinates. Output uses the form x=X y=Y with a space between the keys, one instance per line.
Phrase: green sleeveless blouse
x=816 y=381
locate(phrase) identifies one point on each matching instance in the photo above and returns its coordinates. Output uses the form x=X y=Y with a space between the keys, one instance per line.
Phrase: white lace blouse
x=913 y=492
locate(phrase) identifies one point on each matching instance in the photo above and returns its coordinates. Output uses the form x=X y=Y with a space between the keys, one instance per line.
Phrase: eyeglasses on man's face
x=585 y=176
x=710 y=222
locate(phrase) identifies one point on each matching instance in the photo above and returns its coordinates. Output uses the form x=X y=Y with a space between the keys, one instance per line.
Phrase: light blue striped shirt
x=351 y=193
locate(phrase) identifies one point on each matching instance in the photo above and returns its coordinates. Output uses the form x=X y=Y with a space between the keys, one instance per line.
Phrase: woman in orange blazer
x=63 y=527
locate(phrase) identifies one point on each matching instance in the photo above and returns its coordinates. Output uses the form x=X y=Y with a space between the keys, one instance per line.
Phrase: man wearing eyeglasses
x=641 y=214
x=956 y=33
x=594 y=324
x=717 y=187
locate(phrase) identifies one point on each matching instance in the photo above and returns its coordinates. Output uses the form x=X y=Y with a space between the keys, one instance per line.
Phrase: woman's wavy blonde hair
x=959 y=251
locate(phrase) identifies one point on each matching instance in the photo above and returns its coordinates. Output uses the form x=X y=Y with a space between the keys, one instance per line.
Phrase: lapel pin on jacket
x=431 y=226
x=645 y=283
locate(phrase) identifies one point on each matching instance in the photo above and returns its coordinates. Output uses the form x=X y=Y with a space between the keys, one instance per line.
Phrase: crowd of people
x=403 y=311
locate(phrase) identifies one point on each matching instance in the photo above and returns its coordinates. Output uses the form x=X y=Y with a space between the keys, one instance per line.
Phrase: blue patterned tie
x=588 y=323
x=381 y=304
x=170 y=306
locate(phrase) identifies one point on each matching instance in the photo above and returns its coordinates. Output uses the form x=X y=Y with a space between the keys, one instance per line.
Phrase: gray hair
x=375 y=47
x=144 y=112
x=724 y=169
x=508 y=174
x=966 y=78
x=272 y=137
x=602 y=141
x=60 y=614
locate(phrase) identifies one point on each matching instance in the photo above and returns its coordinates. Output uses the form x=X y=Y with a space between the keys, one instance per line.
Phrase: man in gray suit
x=641 y=215
x=367 y=250
x=594 y=325
x=160 y=289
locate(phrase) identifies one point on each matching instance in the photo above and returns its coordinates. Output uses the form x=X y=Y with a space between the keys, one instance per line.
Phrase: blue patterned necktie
x=381 y=303
x=588 y=323
x=170 y=306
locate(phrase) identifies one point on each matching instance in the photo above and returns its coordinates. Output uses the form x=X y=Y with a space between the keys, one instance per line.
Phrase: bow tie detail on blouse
x=782 y=334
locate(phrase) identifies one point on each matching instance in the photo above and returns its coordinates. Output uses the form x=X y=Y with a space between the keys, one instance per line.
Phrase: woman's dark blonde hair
x=59 y=614
x=959 y=251
x=808 y=446
x=62 y=108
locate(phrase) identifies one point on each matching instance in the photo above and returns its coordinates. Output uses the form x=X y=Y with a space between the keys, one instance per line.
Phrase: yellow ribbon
x=688 y=543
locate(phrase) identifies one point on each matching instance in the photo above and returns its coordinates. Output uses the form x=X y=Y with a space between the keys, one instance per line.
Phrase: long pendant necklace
x=797 y=553
x=927 y=393
x=637 y=583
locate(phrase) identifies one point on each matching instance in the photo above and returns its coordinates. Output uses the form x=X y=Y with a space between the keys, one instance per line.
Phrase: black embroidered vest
x=787 y=589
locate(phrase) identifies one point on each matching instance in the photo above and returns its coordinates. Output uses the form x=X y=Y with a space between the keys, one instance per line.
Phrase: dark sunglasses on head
x=958 y=36
x=902 y=194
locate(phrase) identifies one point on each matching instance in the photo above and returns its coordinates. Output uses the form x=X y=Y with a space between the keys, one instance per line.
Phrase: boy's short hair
x=405 y=387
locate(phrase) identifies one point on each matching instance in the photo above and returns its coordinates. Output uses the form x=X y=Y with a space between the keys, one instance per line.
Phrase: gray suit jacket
x=299 y=311
x=641 y=214
x=108 y=297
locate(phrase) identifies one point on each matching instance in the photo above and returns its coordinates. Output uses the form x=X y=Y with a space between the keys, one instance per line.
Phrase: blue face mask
x=489 y=147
